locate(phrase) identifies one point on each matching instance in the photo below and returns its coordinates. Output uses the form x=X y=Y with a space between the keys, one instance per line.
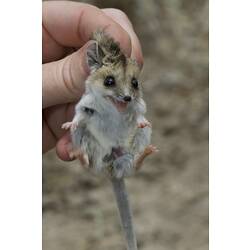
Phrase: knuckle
x=64 y=75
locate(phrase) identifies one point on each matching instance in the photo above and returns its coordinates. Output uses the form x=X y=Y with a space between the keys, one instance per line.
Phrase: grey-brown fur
x=109 y=133
x=111 y=49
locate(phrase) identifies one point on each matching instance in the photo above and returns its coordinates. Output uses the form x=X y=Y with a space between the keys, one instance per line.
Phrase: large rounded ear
x=94 y=56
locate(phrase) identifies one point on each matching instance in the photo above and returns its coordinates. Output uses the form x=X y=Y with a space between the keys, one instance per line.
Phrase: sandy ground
x=170 y=195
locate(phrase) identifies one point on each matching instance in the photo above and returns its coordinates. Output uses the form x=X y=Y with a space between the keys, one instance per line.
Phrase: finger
x=55 y=116
x=52 y=50
x=70 y=24
x=121 y=18
x=62 y=147
x=63 y=80
x=49 y=139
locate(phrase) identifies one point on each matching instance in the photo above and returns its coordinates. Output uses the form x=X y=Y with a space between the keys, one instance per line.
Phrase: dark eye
x=134 y=83
x=109 y=81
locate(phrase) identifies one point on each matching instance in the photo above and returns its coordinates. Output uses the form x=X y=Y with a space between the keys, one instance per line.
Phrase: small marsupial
x=109 y=132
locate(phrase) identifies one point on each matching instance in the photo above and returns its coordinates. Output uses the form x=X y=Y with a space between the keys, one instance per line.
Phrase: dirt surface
x=170 y=195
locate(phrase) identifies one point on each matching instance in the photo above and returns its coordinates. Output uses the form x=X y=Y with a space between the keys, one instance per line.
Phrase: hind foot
x=123 y=166
x=77 y=153
x=150 y=149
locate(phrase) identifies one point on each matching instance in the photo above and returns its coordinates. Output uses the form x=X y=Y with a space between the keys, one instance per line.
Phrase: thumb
x=63 y=80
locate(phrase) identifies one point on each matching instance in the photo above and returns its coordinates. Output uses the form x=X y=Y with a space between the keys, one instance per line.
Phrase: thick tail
x=122 y=200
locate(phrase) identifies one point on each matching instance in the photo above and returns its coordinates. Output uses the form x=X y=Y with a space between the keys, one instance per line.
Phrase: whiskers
x=138 y=100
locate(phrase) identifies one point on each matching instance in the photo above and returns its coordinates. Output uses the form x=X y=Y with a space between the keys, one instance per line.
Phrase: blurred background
x=170 y=195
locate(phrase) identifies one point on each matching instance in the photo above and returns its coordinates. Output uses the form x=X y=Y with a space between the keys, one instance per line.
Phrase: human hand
x=67 y=27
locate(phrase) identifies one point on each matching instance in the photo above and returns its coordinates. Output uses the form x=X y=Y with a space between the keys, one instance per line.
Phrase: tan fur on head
x=106 y=59
x=110 y=48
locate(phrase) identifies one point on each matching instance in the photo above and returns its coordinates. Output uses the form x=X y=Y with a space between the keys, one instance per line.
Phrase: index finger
x=70 y=24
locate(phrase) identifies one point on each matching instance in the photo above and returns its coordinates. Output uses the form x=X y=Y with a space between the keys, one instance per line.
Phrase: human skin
x=67 y=27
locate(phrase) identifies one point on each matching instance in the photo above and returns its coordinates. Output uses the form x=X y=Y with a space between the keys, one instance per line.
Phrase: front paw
x=70 y=125
x=144 y=124
x=150 y=149
x=123 y=166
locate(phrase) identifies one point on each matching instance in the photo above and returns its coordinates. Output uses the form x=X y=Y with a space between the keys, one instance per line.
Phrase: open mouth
x=118 y=103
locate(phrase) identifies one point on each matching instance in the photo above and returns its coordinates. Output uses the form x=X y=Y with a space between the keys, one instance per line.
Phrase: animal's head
x=112 y=74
